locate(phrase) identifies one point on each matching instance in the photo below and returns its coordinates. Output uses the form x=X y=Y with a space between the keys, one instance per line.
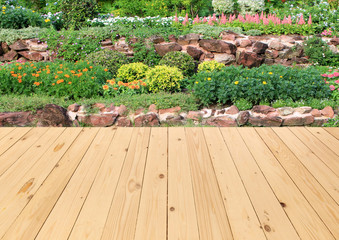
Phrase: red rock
x=319 y=121
x=124 y=122
x=157 y=39
x=36 y=46
x=218 y=46
x=174 y=120
x=170 y=110
x=111 y=108
x=122 y=110
x=147 y=120
x=223 y=121
x=164 y=48
x=139 y=111
x=265 y=121
x=334 y=41
x=287 y=39
x=243 y=117
x=232 y=110
x=4 y=47
x=244 y=43
x=250 y=59
x=303 y=110
x=228 y=36
x=13 y=119
x=194 y=52
x=327 y=112
x=263 y=109
x=260 y=47
x=53 y=116
x=272 y=54
x=195 y=115
x=316 y=113
x=153 y=108
x=298 y=120
x=100 y=106
x=224 y=58
x=19 y=45
x=172 y=38
x=99 y=120
x=10 y=56
x=74 y=107
x=284 y=111
x=33 y=56
x=276 y=45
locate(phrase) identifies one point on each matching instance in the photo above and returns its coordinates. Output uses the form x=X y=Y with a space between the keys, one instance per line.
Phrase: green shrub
x=181 y=60
x=112 y=60
x=213 y=31
x=242 y=104
x=132 y=72
x=9 y=36
x=210 y=66
x=319 y=52
x=145 y=54
x=76 y=12
x=266 y=83
x=164 y=78
x=223 y=6
x=253 y=32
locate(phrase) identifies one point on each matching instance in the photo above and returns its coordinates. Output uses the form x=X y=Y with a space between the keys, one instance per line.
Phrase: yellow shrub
x=210 y=66
x=132 y=71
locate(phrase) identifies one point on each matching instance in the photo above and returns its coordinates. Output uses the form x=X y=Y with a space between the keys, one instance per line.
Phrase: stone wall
x=106 y=116
x=250 y=51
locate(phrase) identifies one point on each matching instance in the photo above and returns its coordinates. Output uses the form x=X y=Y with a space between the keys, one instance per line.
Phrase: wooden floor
x=169 y=183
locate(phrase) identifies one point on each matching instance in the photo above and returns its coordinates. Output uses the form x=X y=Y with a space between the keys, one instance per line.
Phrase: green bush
x=210 y=66
x=266 y=83
x=132 y=72
x=242 y=104
x=164 y=78
x=76 y=12
x=181 y=60
x=9 y=36
x=112 y=60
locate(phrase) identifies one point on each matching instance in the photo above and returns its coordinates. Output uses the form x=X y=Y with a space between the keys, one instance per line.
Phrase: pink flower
x=330 y=75
x=204 y=20
x=324 y=75
x=337 y=81
x=309 y=20
x=301 y=21
x=176 y=18
x=336 y=74
x=332 y=88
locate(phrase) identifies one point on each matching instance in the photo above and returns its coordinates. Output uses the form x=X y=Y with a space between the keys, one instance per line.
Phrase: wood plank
x=4 y=131
x=272 y=217
x=92 y=218
x=11 y=138
x=243 y=219
x=329 y=140
x=319 y=170
x=321 y=201
x=26 y=177
x=211 y=214
x=334 y=131
x=61 y=219
x=122 y=218
x=299 y=211
x=318 y=148
x=28 y=223
x=152 y=215
x=182 y=219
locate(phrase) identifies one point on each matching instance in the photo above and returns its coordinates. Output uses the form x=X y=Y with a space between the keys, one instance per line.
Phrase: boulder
x=265 y=121
x=303 y=110
x=194 y=52
x=19 y=45
x=172 y=38
x=232 y=110
x=147 y=120
x=224 y=121
x=36 y=46
x=287 y=39
x=271 y=54
x=276 y=45
x=33 y=56
x=224 y=58
x=9 y=56
x=122 y=110
x=162 y=49
x=74 y=107
x=1 y=50
x=53 y=116
x=250 y=59
x=334 y=41
x=285 y=111
x=152 y=108
x=298 y=120
x=319 y=121
x=259 y=47
x=228 y=35
x=218 y=46
x=106 y=42
x=295 y=52
x=327 y=112
x=191 y=38
x=4 y=47
x=263 y=109
x=124 y=122
x=170 y=110
x=243 y=117
x=13 y=119
x=316 y=113
x=243 y=43
x=157 y=39
x=195 y=115
x=99 y=120
x=121 y=45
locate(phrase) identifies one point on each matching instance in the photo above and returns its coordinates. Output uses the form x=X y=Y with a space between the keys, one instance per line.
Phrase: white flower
x=251 y=6
x=223 y=6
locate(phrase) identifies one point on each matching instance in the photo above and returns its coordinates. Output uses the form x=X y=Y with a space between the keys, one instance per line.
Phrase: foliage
x=10 y=36
x=114 y=88
x=182 y=61
x=253 y=32
x=266 y=83
x=74 y=80
x=145 y=54
x=210 y=66
x=213 y=31
x=132 y=72
x=223 y=6
x=112 y=60
x=164 y=78
x=243 y=104
x=311 y=102
x=319 y=52
x=251 y=6
x=76 y=12
x=332 y=80
x=332 y=122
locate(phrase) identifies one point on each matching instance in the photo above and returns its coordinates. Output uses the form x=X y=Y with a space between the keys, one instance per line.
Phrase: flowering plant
x=332 y=80
x=115 y=87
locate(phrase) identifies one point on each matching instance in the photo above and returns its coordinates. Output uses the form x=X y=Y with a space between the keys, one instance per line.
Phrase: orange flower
x=37 y=75
x=19 y=68
x=38 y=71
x=19 y=77
x=85 y=70
x=47 y=66
x=56 y=76
x=19 y=80
x=80 y=74
x=105 y=87
x=115 y=88
x=72 y=71
x=36 y=83
x=79 y=70
x=60 y=81
x=112 y=82
x=60 y=65
x=143 y=84
x=24 y=74
x=14 y=75
x=17 y=64
x=92 y=77
x=137 y=87
x=33 y=74
x=59 y=72
x=69 y=83
x=106 y=70
x=120 y=83
x=12 y=72
x=48 y=72
x=34 y=67
x=90 y=67
x=66 y=76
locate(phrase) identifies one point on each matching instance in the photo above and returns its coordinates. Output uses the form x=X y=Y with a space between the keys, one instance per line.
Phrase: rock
x=111 y=108
x=1 y=50
x=263 y=109
x=333 y=49
x=224 y=121
x=250 y=59
x=224 y=58
x=9 y=56
x=152 y=108
x=276 y=45
x=121 y=45
x=99 y=120
x=172 y=38
x=243 y=43
x=174 y=120
x=20 y=119
x=191 y=38
x=4 y=47
x=334 y=41
x=290 y=53
x=194 y=52
x=39 y=47
x=243 y=117
x=284 y=111
x=53 y=116
x=218 y=46
x=100 y=106
x=195 y=115
x=298 y=120
x=259 y=47
x=232 y=110
x=121 y=110
x=124 y=122
x=209 y=55
x=170 y=110
x=265 y=121
x=287 y=39
x=19 y=45
x=207 y=113
x=228 y=36
x=327 y=112
x=72 y=115
x=33 y=56
x=271 y=54
x=269 y=61
x=319 y=121
x=157 y=39
x=106 y=42
x=146 y=120
x=316 y=113
x=162 y=49
x=303 y=110
x=139 y=111
x=74 y=107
